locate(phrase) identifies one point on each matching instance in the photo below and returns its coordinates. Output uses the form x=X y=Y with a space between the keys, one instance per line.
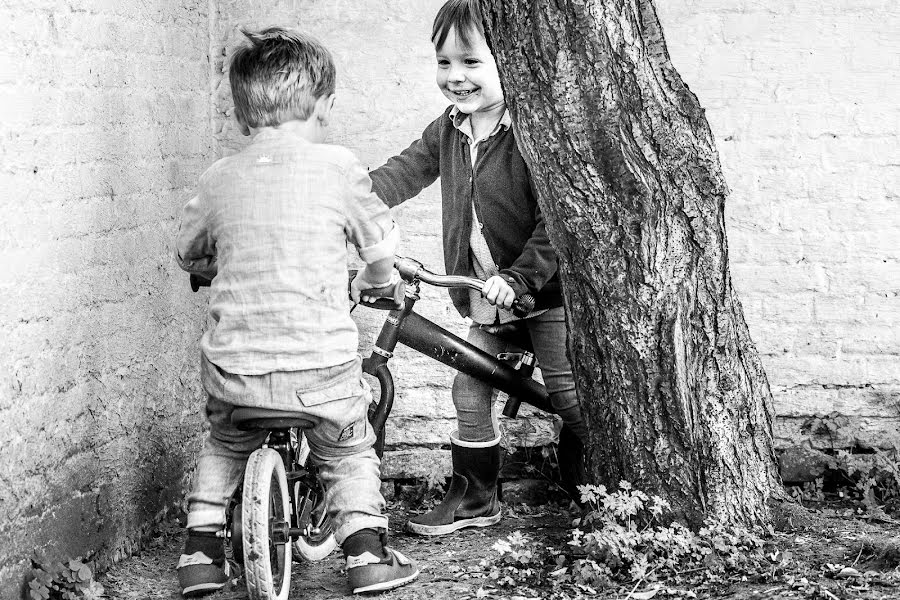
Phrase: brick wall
x=801 y=96
x=111 y=112
x=105 y=128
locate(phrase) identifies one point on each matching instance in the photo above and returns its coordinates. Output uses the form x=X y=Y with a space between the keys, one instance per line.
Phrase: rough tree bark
x=630 y=183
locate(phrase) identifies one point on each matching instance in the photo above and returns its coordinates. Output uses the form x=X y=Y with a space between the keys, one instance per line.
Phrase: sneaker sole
x=455 y=526
x=201 y=589
x=386 y=585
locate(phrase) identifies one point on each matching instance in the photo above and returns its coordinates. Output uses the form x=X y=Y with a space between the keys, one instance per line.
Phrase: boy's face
x=467 y=75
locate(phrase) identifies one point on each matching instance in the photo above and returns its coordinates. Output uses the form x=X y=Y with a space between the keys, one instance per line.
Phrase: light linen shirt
x=482 y=311
x=272 y=223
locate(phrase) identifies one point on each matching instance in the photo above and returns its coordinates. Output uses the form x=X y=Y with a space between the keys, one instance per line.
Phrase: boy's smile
x=467 y=74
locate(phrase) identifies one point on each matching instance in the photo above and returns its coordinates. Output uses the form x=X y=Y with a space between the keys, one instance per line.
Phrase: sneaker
x=373 y=567
x=198 y=572
x=368 y=573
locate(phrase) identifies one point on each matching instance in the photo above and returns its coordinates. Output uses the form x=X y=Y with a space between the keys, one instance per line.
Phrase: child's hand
x=497 y=292
x=361 y=284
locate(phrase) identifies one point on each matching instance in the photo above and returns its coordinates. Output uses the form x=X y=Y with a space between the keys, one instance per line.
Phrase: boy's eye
x=472 y=61
x=443 y=63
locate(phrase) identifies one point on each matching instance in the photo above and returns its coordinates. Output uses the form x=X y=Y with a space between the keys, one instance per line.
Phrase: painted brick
x=808 y=141
x=107 y=121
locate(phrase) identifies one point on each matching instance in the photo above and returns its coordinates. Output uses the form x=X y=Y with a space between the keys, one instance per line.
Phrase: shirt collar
x=461 y=121
x=264 y=134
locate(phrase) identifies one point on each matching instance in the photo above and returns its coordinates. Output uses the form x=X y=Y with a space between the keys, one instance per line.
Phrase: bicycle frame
x=407 y=327
x=272 y=533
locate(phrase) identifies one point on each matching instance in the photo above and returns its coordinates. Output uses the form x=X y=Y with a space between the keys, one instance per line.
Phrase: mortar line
x=212 y=21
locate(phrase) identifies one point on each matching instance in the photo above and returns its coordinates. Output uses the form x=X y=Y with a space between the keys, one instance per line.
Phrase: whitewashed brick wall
x=802 y=97
x=105 y=128
x=112 y=110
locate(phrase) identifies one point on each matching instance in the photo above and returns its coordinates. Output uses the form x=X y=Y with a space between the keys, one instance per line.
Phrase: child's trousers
x=474 y=399
x=336 y=399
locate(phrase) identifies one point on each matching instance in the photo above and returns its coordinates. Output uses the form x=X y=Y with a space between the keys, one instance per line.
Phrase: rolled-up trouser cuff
x=206 y=520
x=454 y=439
x=354 y=525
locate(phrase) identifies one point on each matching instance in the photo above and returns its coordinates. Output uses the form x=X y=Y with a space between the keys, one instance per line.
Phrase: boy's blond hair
x=278 y=76
x=462 y=15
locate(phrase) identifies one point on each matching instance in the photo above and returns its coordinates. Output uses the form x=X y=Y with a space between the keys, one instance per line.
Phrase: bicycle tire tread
x=257 y=562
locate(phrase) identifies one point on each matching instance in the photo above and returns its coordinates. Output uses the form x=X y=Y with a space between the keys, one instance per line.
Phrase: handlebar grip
x=522 y=307
x=198 y=282
x=511 y=408
x=386 y=298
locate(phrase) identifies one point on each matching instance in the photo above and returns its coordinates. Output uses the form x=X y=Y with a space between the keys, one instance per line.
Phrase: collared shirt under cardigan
x=499 y=189
x=480 y=310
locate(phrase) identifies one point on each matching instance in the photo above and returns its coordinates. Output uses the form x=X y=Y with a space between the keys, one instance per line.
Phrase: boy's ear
x=323 y=108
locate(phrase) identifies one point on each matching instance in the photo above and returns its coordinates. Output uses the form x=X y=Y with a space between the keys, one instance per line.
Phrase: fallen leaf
x=644 y=595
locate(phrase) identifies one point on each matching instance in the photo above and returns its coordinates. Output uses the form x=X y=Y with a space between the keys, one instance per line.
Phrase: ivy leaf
x=84 y=573
x=38 y=591
x=94 y=592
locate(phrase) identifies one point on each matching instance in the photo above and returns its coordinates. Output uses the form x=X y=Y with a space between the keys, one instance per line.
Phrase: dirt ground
x=817 y=547
x=445 y=562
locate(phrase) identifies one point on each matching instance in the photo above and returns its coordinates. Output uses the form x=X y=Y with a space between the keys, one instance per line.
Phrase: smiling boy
x=493 y=229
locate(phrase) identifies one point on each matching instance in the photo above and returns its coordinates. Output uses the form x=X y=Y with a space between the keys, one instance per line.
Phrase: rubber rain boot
x=471 y=500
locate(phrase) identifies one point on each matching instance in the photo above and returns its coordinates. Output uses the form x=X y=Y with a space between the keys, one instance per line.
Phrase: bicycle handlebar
x=411 y=270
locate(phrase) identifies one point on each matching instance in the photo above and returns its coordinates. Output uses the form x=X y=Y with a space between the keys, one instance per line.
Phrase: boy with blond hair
x=270 y=225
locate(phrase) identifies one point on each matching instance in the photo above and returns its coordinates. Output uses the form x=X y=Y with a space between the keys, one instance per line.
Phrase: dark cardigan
x=507 y=208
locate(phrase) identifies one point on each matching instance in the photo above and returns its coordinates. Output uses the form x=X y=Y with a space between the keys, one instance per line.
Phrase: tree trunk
x=632 y=191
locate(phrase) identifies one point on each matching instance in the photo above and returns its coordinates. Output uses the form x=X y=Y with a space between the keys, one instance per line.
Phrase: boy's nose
x=455 y=74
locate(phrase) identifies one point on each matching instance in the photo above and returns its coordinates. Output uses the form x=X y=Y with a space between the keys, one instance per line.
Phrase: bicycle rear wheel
x=317 y=540
x=265 y=523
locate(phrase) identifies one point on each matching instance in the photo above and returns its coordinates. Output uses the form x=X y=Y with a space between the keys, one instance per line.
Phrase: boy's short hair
x=463 y=15
x=278 y=76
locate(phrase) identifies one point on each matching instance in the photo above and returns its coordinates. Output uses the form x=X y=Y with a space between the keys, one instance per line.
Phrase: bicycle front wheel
x=266 y=522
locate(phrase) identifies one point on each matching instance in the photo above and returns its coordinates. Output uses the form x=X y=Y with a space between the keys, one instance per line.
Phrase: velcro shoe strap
x=197 y=558
x=400 y=558
x=366 y=558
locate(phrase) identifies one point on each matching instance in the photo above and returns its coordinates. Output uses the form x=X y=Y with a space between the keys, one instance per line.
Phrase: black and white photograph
x=450 y=299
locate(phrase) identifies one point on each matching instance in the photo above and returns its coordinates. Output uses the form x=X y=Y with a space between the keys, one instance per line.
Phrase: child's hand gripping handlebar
x=412 y=270
x=389 y=297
